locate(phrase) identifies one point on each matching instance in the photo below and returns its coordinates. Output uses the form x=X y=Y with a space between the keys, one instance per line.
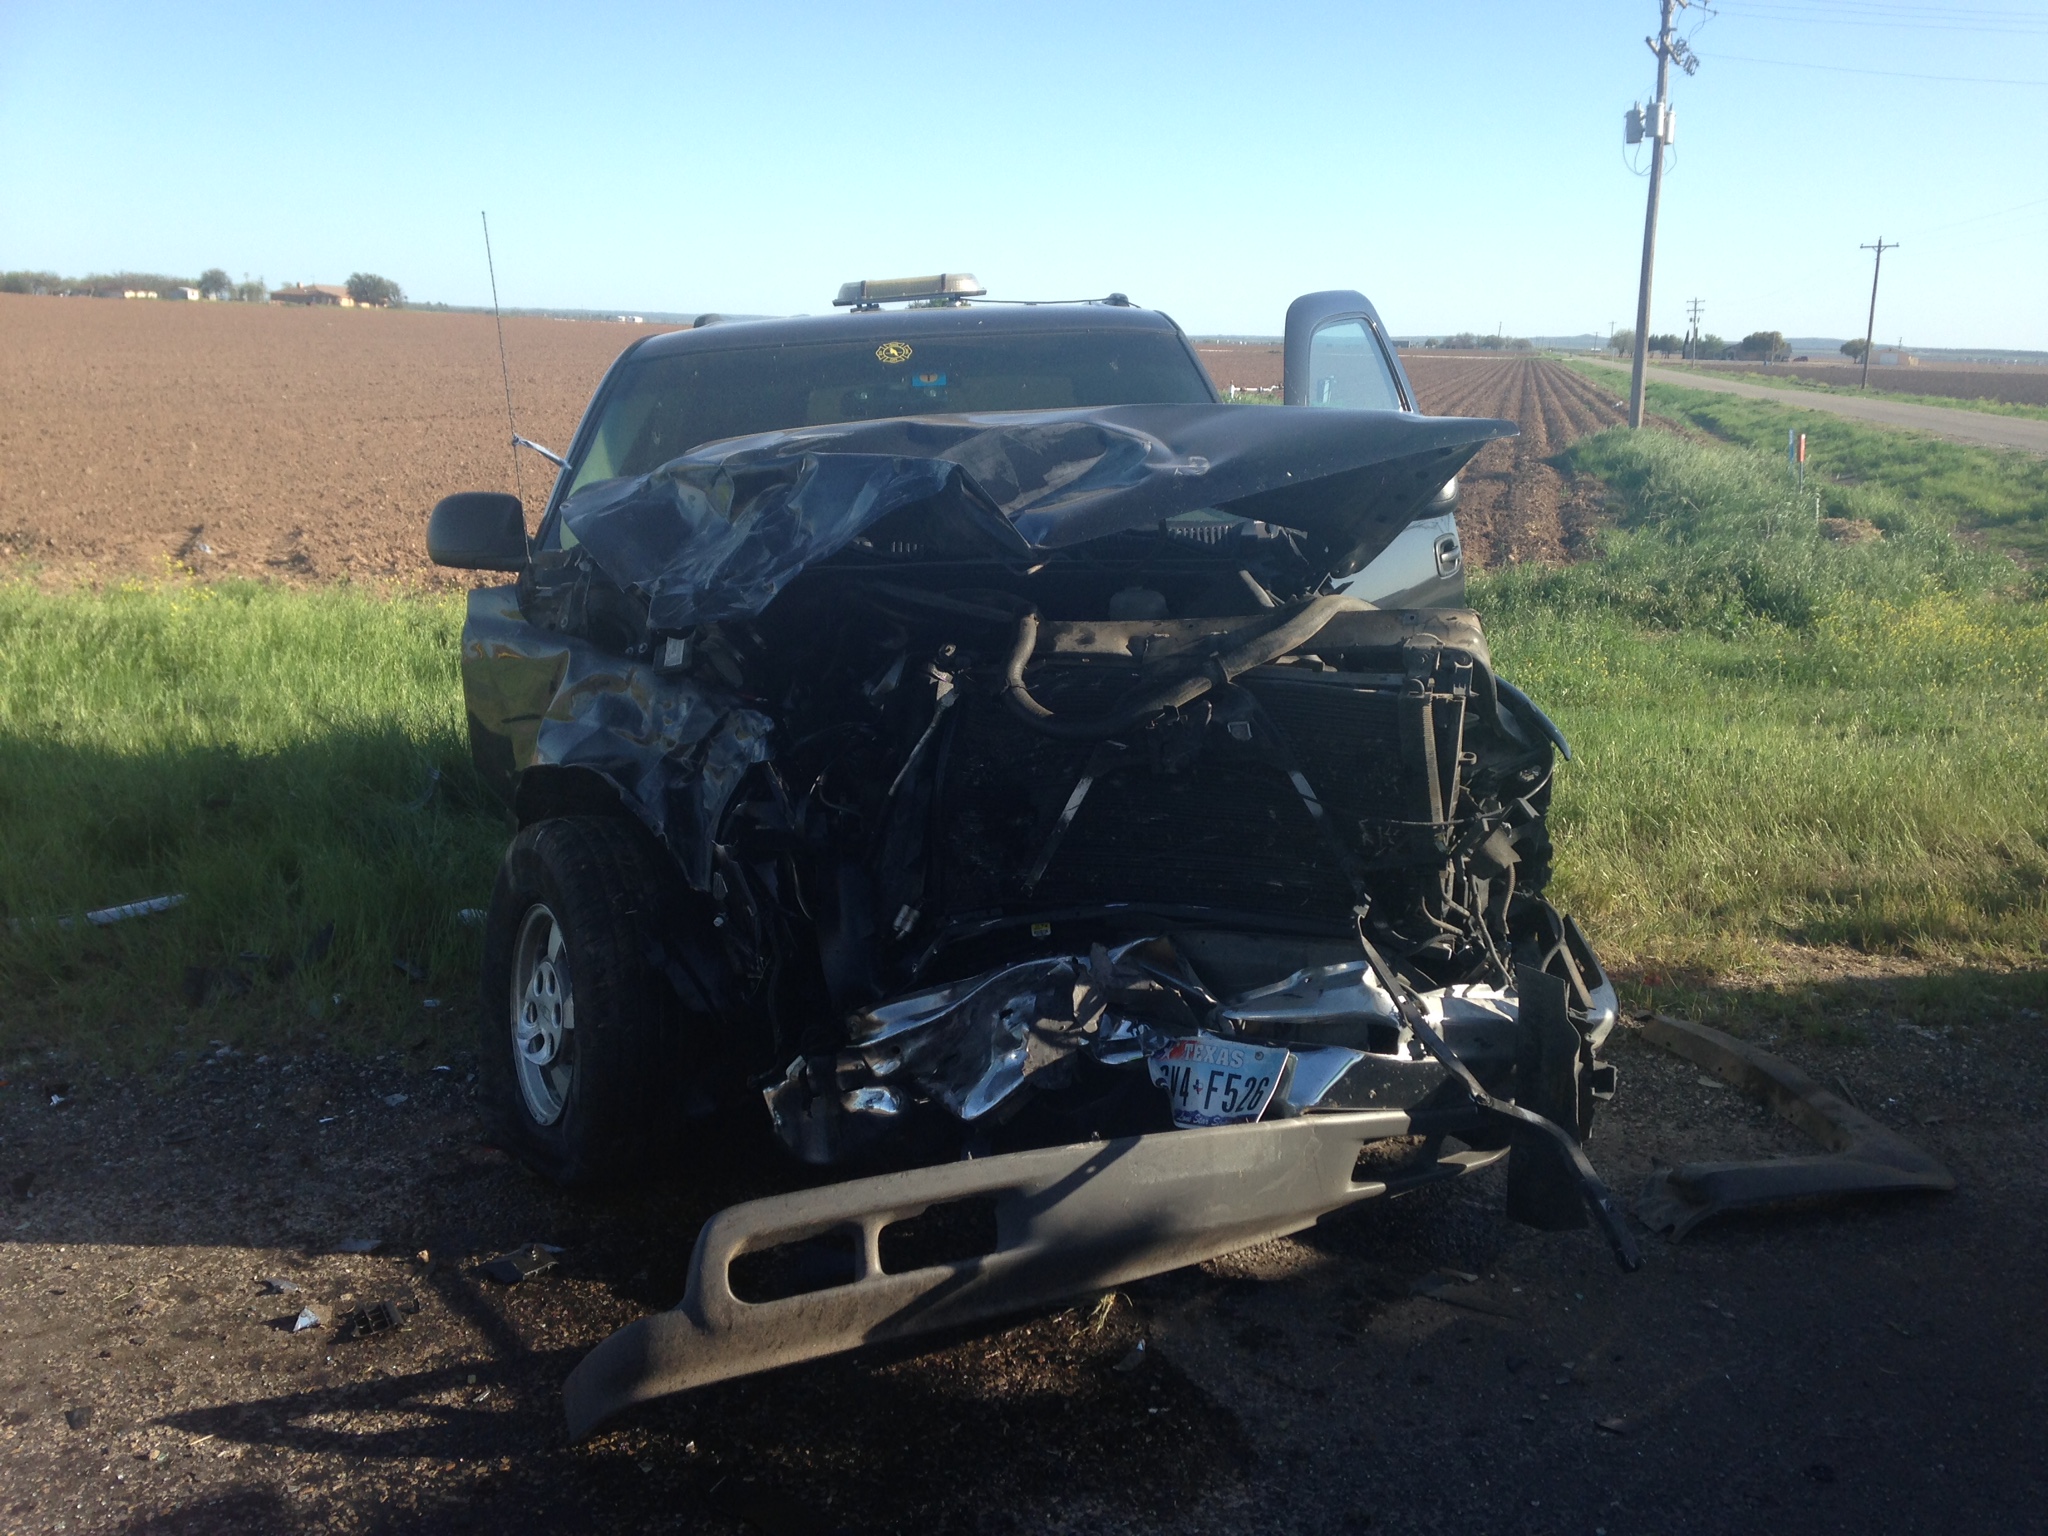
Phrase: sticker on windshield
x=893 y=352
x=927 y=381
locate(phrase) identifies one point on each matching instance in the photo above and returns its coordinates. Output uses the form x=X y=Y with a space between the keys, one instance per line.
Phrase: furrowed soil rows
x=258 y=440
x=1513 y=505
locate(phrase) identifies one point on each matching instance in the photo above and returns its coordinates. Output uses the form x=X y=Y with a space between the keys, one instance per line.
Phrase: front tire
x=582 y=1038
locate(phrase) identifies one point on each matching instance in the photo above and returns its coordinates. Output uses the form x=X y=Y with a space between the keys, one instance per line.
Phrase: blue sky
x=1461 y=163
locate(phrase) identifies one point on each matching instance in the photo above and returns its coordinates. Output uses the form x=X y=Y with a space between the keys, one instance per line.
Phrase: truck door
x=1338 y=355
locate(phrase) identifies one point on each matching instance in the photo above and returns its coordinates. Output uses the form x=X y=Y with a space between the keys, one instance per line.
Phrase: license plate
x=1211 y=1081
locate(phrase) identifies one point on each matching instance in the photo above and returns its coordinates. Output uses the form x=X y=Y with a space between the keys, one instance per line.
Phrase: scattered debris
x=78 y=1418
x=57 y=1093
x=430 y=1002
x=471 y=917
x=277 y=1285
x=309 y=1316
x=358 y=1244
x=1614 y=1426
x=1131 y=1361
x=393 y=1100
x=377 y=1317
x=412 y=972
x=521 y=1263
x=1862 y=1156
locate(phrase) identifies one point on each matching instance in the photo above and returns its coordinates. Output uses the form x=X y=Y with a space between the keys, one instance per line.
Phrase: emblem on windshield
x=894 y=352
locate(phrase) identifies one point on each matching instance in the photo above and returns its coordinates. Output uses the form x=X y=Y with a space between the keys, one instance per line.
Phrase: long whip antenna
x=504 y=368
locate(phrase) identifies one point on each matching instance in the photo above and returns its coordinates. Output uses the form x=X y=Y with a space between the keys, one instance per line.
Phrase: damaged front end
x=1057 y=827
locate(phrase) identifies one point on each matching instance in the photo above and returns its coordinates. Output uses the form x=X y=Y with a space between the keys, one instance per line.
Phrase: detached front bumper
x=1068 y=1220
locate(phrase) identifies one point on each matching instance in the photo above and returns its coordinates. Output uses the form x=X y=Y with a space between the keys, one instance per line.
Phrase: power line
x=1888 y=74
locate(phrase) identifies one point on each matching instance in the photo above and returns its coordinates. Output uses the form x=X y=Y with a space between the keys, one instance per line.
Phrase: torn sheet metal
x=970 y=1045
x=1068 y=1220
x=715 y=534
x=673 y=748
x=1862 y=1158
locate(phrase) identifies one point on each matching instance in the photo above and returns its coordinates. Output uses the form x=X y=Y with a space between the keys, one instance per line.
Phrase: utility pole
x=1693 y=310
x=1870 y=327
x=1655 y=124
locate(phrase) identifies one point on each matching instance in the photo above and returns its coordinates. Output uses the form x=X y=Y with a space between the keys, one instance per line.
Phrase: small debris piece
x=1709 y=1082
x=1131 y=1361
x=521 y=1263
x=277 y=1285
x=181 y=1135
x=309 y=1317
x=412 y=972
x=393 y=1100
x=471 y=917
x=78 y=1418
x=358 y=1244
x=1613 y=1426
x=377 y=1317
x=430 y=1002
x=154 y=904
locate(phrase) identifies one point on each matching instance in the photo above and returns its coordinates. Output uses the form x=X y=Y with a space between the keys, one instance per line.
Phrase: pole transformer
x=1870 y=327
x=1654 y=124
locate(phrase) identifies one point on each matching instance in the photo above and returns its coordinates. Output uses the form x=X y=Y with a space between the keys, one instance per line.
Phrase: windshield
x=665 y=405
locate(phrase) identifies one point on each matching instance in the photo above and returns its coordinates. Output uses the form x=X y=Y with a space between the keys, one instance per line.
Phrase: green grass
x=1784 y=739
x=268 y=755
x=1999 y=494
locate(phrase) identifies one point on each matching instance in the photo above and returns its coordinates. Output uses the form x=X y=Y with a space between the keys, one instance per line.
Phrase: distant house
x=191 y=294
x=312 y=293
x=128 y=293
x=1894 y=357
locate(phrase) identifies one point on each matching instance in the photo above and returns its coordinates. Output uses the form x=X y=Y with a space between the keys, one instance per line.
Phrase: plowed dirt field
x=1513 y=505
x=258 y=440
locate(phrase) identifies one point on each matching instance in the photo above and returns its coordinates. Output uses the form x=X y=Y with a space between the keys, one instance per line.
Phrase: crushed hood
x=717 y=533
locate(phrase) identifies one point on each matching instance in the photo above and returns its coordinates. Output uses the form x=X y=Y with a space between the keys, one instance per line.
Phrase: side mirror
x=478 y=531
x=1337 y=354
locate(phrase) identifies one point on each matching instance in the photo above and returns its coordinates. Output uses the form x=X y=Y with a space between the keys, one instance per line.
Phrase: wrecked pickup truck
x=1018 y=776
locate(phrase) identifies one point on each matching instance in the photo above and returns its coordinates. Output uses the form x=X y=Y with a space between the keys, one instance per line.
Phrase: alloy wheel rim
x=543 y=1016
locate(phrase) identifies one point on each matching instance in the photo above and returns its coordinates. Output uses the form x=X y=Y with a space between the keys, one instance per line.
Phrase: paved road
x=2025 y=433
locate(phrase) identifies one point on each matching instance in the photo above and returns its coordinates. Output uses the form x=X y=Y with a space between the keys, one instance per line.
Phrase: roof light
x=946 y=287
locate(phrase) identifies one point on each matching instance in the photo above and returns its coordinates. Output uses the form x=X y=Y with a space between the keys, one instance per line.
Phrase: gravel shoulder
x=1960 y=423
x=1420 y=1366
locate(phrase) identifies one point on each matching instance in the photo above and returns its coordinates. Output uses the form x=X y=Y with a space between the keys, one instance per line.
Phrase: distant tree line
x=1766 y=346
x=1467 y=341
x=213 y=283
